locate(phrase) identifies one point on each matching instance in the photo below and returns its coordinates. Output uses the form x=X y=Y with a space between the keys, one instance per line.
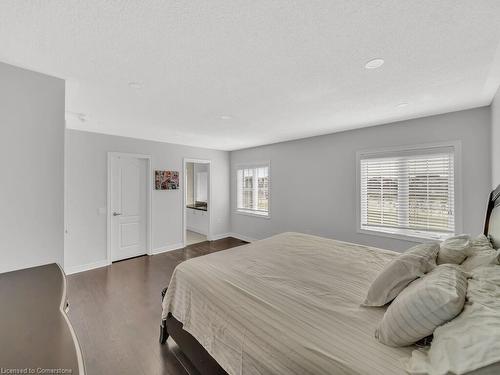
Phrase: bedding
x=470 y=343
x=401 y=271
x=424 y=305
x=289 y=304
x=481 y=253
x=481 y=242
x=454 y=249
x=481 y=258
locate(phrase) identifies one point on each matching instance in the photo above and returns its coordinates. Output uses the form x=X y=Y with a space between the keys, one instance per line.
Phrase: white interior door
x=128 y=207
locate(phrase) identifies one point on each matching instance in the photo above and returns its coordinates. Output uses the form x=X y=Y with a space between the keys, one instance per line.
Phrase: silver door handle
x=116 y=214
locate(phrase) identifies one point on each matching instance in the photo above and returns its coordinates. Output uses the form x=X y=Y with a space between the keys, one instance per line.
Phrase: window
x=201 y=187
x=253 y=190
x=409 y=192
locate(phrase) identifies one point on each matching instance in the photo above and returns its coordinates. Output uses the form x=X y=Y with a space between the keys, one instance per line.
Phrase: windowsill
x=405 y=235
x=253 y=213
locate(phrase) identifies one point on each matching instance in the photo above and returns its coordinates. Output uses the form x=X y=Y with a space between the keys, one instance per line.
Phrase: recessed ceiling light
x=135 y=85
x=374 y=63
x=226 y=117
x=402 y=105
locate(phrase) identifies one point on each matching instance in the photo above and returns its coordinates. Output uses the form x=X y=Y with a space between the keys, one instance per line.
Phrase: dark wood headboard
x=492 y=222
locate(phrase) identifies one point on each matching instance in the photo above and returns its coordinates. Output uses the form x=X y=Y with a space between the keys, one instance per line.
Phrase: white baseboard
x=196 y=230
x=103 y=263
x=85 y=267
x=241 y=237
x=164 y=249
x=215 y=237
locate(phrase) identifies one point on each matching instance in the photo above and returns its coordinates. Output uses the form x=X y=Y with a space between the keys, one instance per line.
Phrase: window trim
x=401 y=234
x=252 y=213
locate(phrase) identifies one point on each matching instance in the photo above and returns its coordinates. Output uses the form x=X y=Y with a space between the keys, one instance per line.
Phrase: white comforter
x=289 y=304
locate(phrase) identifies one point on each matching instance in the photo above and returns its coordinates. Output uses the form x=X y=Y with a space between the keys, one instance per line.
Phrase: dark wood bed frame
x=190 y=347
x=207 y=365
x=493 y=203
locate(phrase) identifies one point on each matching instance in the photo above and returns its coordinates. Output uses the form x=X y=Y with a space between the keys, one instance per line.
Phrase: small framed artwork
x=166 y=180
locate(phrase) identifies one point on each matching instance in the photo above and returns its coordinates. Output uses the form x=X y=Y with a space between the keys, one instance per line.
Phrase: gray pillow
x=481 y=258
x=481 y=242
x=454 y=249
x=425 y=304
x=401 y=271
x=481 y=253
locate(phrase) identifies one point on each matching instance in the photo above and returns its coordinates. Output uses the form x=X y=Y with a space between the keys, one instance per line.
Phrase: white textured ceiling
x=280 y=69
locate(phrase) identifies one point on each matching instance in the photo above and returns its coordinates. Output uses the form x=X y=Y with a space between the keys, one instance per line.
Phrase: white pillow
x=471 y=341
x=454 y=249
x=481 y=258
x=401 y=271
x=481 y=242
x=481 y=253
x=425 y=304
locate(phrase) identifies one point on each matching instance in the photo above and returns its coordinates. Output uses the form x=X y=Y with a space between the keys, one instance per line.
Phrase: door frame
x=184 y=198
x=149 y=210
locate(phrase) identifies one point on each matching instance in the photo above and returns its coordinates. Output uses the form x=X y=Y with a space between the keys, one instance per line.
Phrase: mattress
x=289 y=304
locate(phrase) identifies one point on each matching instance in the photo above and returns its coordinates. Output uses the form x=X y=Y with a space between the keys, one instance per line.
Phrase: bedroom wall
x=495 y=139
x=314 y=179
x=32 y=165
x=86 y=194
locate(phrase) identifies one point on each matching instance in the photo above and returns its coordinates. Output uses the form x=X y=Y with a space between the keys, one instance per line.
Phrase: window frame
x=246 y=212
x=404 y=234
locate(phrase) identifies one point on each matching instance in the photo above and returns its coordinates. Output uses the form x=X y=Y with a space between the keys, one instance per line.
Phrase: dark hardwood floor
x=116 y=312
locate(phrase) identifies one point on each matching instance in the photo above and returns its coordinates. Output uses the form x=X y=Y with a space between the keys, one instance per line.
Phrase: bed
x=289 y=304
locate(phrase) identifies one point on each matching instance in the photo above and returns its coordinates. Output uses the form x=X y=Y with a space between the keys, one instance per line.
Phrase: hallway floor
x=194 y=237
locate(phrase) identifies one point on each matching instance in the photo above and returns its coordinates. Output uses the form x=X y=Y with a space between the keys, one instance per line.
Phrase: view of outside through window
x=253 y=189
x=415 y=193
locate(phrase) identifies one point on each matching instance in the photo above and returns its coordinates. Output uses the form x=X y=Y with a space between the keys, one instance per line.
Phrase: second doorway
x=197 y=205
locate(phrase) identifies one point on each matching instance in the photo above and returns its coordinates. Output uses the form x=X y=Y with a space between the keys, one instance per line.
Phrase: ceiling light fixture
x=135 y=85
x=374 y=63
x=402 y=105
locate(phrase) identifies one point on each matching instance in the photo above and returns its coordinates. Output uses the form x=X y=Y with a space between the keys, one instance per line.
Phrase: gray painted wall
x=86 y=166
x=313 y=180
x=32 y=168
x=495 y=140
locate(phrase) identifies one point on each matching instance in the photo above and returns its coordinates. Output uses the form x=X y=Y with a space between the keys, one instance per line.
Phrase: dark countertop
x=199 y=208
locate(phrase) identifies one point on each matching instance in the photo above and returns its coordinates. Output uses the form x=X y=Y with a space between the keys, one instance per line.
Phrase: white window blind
x=409 y=193
x=253 y=189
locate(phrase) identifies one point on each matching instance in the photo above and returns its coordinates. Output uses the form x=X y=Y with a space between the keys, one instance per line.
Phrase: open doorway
x=196 y=201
